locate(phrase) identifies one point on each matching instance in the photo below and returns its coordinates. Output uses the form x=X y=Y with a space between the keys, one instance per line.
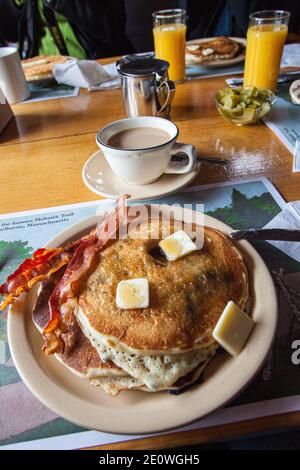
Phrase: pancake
x=114 y=385
x=187 y=296
x=79 y=355
x=219 y=48
x=156 y=371
x=81 y=358
x=171 y=337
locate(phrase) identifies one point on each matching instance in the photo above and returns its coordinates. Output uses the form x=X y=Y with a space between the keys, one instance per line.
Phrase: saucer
x=99 y=178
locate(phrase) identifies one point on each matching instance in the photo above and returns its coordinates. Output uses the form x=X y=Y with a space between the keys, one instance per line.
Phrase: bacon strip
x=63 y=299
x=43 y=263
x=81 y=258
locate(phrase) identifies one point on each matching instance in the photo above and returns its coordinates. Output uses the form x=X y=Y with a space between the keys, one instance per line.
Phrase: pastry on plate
x=217 y=49
x=40 y=67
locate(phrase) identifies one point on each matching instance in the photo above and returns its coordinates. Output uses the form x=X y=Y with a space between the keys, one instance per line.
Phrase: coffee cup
x=12 y=78
x=139 y=149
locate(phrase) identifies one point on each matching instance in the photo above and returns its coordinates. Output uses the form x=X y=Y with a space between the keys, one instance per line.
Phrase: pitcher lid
x=141 y=65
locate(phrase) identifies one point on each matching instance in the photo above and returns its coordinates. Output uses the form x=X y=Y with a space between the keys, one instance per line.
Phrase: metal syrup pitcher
x=146 y=88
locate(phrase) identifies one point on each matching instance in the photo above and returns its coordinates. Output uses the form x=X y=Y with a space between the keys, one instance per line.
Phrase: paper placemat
x=27 y=424
x=284 y=117
x=198 y=71
x=50 y=90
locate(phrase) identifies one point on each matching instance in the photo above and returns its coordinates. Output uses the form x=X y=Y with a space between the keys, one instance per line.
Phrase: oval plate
x=135 y=412
x=222 y=62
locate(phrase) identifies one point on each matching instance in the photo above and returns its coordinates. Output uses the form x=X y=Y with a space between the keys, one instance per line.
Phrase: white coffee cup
x=144 y=165
x=12 y=78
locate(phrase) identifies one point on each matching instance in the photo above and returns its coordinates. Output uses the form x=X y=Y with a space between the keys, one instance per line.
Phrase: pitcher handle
x=170 y=94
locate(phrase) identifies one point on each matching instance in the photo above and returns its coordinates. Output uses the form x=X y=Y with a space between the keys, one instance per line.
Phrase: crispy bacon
x=65 y=290
x=43 y=263
x=63 y=299
x=81 y=258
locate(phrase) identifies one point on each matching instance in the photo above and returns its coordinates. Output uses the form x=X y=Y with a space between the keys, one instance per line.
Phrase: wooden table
x=43 y=150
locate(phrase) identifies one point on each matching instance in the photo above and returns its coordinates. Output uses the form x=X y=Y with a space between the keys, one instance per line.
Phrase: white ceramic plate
x=99 y=178
x=134 y=412
x=220 y=63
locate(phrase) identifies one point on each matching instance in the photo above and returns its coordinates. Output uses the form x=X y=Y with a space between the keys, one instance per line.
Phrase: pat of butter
x=177 y=245
x=233 y=329
x=192 y=47
x=133 y=293
x=207 y=51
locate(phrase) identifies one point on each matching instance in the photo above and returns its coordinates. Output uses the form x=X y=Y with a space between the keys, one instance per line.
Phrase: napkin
x=289 y=218
x=291 y=56
x=87 y=74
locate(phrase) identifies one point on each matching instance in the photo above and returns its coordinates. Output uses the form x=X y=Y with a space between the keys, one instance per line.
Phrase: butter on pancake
x=81 y=358
x=187 y=297
x=173 y=336
x=133 y=293
x=177 y=245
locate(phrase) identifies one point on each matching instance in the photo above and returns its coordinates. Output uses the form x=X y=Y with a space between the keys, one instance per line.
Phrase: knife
x=280 y=234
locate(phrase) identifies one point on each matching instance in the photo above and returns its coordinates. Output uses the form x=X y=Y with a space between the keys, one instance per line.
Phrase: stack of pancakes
x=219 y=48
x=167 y=345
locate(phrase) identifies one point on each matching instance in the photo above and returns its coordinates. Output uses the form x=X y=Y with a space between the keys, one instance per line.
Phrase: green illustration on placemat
x=50 y=89
x=12 y=254
x=244 y=212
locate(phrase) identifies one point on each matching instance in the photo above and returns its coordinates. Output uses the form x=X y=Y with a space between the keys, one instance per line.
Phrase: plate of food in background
x=38 y=69
x=215 y=52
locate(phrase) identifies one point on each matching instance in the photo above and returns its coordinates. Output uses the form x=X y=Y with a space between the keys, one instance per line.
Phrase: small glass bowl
x=249 y=115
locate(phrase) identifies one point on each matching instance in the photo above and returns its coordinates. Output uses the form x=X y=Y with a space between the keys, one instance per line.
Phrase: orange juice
x=169 y=43
x=263 y=55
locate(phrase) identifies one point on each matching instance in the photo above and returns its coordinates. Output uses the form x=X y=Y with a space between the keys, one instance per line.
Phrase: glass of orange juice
x=266 y=36
x=169 y=30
